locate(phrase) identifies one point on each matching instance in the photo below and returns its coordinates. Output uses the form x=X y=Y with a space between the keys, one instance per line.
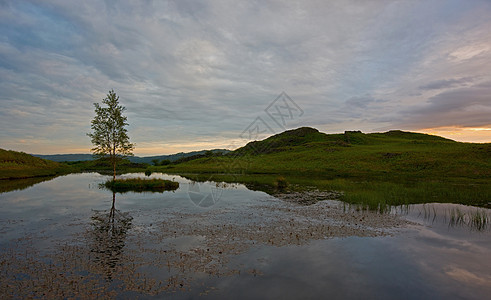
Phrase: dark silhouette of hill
x=134 y=159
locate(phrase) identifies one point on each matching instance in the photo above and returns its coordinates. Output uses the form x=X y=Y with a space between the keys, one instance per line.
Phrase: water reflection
x=9 y=185
x=64 y=240
x=108 y=235
x=454 y=216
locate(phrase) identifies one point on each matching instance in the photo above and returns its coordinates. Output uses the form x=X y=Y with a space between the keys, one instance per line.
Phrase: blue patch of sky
x=51 y=31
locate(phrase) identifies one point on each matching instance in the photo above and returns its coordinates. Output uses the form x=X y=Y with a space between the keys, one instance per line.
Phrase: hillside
x=376 y=170
x=392 y=154
x=21 y=165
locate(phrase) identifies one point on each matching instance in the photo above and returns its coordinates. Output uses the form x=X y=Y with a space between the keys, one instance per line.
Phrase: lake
x=67 y=237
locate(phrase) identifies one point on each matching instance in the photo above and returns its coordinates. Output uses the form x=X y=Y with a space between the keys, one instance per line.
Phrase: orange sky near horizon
x=461 y=134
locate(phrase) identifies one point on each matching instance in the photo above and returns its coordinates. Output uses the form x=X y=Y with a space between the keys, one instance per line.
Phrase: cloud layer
x=195 y=74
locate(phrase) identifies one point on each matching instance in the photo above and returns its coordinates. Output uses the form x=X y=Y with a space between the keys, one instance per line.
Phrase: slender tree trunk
x=114 y=163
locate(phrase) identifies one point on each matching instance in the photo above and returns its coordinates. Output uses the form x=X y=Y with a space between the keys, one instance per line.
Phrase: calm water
x=67 y=237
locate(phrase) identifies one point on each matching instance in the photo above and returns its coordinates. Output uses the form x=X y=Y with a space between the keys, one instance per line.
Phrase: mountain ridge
x=134 y=159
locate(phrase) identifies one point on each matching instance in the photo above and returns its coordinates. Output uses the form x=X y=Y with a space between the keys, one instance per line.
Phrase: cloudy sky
x=210 y=74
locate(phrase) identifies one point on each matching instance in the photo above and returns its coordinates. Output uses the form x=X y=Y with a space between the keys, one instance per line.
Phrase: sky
x=199 y=75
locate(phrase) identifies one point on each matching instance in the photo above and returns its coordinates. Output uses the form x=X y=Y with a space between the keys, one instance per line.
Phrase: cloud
x=363 y=101
x=445 y=83
x=463 y=107
x=205 y=70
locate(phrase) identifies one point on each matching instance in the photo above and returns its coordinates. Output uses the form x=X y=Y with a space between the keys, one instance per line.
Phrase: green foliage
x=141 y=185
x=109 y=135
x=163 y=162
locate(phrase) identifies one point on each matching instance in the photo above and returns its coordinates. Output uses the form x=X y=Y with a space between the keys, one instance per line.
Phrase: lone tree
x=109 y=135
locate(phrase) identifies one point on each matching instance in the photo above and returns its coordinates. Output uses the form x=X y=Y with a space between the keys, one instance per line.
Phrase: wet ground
x=69 y=238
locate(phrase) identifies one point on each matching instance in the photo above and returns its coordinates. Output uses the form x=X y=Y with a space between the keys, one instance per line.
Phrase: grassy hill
x=393 y=154
x=396 y=167
x=21 y=165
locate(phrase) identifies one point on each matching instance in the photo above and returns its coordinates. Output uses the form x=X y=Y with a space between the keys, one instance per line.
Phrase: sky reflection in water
x=171 y=237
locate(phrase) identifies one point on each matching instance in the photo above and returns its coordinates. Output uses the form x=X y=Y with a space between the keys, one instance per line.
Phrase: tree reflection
x=108 y=235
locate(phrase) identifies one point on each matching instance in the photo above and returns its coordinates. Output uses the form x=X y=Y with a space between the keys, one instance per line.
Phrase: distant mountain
x=65 y=157
x=135 y=159
x=174 y=157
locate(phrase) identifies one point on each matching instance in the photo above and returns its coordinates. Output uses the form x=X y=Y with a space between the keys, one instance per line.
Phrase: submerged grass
x=368 y=194
x=141 y=185
x=480 y=220
x=477 y=219
x=376 y=195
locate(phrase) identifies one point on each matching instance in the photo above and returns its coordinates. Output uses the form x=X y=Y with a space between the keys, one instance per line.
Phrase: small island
x=141 y=185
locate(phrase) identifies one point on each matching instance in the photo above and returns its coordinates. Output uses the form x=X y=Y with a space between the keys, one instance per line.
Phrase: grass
x=476 y=220
x=368 y=194
x=141 y=185
x=104 y=166
x=386 y=156
x=375 y=170
x=15 y=164
x=380 y=195
x=479 y=220
x=281 y=183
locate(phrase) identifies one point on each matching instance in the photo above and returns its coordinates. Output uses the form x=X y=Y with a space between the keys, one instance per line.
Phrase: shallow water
x=67 y=237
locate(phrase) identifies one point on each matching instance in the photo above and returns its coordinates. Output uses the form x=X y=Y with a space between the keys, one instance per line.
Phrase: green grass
x=369 y=194
x=15 y=164
x=375 y=156
x=380 y=195
x=141 y=185
x=281 y=183
x=104 y=166
x=375 y=170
